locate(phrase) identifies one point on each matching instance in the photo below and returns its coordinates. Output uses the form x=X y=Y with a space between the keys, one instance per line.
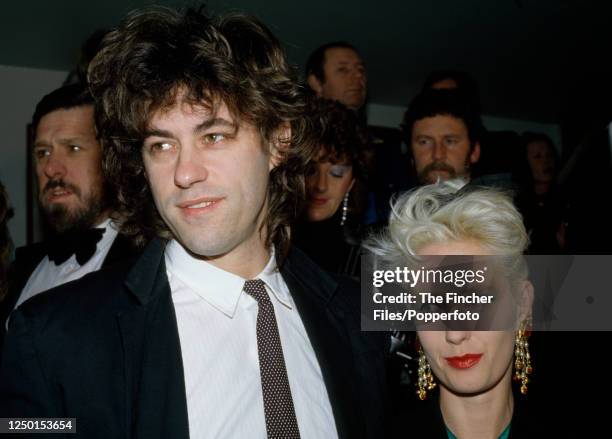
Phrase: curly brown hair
x=157 y=53
x=339 y=137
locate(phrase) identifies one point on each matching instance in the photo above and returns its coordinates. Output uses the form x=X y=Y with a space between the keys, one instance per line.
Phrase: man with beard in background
x=443 y=131
x=73 y=198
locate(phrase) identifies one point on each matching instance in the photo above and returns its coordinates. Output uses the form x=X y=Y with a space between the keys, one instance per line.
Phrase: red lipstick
x=464 y=362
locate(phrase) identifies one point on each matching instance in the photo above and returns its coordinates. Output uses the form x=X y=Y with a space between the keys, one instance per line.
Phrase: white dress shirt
x=216 y=324
x=47 y=275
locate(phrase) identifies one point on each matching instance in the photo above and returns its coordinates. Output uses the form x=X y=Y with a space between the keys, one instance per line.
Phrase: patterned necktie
x=281 y=422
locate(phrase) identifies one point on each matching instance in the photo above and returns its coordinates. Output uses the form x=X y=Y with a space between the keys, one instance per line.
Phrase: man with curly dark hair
x=219 y=329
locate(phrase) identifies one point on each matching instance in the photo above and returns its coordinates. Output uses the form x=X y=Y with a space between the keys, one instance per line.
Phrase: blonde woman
x=472 y=369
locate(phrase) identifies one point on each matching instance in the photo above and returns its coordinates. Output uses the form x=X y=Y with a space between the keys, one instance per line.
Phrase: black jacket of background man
x=105 y=350
x=27 y=259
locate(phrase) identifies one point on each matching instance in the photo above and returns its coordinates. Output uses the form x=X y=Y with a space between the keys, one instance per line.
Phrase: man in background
x=336 y=71
x=443 y=131
x=74 y=199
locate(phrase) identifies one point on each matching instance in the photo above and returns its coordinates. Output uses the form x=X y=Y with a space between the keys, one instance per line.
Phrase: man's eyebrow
x=40 y=144
x=69 y=140
x=65 y=141
x=214 y=122
x=157 y=133
x=208 y=123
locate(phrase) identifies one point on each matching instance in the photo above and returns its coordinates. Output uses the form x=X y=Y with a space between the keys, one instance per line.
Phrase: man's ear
x=475 y=154
x=315 y=84
x=280 y=142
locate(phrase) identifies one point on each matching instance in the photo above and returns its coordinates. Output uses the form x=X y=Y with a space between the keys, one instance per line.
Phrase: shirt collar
x=220 y=288
x=110 y=231
x=104 y=224
x=275 y=282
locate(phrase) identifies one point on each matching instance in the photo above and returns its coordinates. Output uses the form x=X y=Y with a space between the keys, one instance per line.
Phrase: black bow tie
x=82 y=244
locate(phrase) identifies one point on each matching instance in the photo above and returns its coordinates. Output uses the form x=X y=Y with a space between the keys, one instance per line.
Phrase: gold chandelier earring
x=426 y=379
x=522 y=358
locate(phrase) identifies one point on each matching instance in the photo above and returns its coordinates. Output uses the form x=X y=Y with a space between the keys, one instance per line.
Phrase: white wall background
x=20 y=91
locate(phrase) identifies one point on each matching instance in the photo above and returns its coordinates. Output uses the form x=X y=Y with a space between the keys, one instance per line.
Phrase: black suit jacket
x=105 y=349
x=27 y=259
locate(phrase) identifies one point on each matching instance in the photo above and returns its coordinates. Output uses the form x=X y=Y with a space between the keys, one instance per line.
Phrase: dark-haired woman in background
x=329 y=231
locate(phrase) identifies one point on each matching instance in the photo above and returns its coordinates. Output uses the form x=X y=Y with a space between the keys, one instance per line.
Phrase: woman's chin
x=315 y=215
x=466 y=386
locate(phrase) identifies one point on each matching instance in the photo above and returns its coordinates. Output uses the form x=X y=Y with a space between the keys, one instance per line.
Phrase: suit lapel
x=121 y=250
x=155 y=400
x=328 y=338
x=26 y=260
x=156 y=404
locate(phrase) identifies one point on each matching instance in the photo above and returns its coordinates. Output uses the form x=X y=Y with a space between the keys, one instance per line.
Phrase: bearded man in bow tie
x=73 y=197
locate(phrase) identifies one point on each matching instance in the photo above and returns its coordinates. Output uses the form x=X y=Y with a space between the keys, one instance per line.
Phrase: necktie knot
x=256 y=288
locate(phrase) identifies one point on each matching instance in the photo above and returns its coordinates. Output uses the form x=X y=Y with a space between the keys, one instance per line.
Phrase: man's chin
x=62 y=218
x=58 y=209
x=62 y=223
x=435 y=176
x=355 y=104
x=206 y=250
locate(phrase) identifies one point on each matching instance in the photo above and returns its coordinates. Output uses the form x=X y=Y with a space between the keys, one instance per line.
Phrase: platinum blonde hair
x=448 y=211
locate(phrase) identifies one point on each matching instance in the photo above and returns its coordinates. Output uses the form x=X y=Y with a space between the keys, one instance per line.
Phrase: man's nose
x=55 y=167
x=439 y=151
x=359 y=76
x=189 y=168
